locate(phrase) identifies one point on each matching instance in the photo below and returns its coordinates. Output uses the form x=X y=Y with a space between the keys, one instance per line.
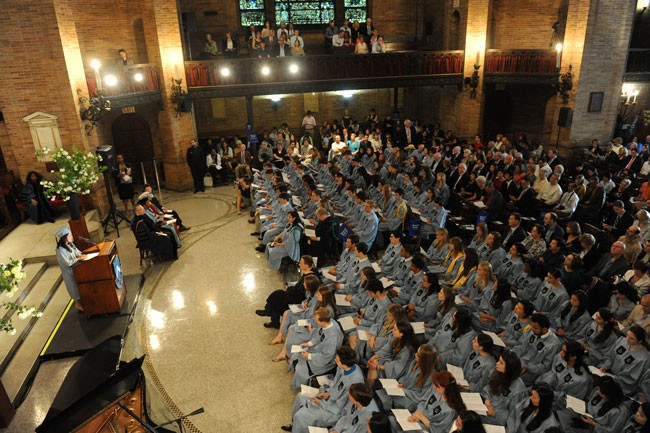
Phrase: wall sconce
x=565 y=84
x=92 y=109
x=558 y=57
x=178 y=96
x=644 y=5
x=474 y=80
x=629 y=94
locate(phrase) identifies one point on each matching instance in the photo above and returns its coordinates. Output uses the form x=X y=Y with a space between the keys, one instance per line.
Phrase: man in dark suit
x=553 y=229
x=609 y=265
x=552 y=159
x=633 y=163
x=271 y=41
x=408 y=135
x=619 y=221
x=196 y=160
x=366 y=29
x=493 y=201
x=459 y=178
x=592 y=206
x=282 y=49
x=515 y=232
x=524 y=201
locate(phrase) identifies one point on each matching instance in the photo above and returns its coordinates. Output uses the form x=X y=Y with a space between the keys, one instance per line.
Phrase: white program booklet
x=401 y=416
x=296 y=348
x=577 y=405
x=418 y=327
x=308 y=391
x=296 y=308
x=313 y=429
x=458 y=374
x=340 y=300
x=391 y=387
x=363 y=335
x=495 y=338
x=473 y=401
x=347 y=323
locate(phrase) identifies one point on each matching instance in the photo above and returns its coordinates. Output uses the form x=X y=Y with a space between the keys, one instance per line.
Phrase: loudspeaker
x=187 y=105
x=108 y=157
x=189 y=22
x=566 y=115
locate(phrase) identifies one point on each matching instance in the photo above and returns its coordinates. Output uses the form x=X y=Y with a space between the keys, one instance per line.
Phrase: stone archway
x=132 y=138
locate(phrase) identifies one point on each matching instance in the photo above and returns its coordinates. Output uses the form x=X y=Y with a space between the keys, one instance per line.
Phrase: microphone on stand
x=88 y=241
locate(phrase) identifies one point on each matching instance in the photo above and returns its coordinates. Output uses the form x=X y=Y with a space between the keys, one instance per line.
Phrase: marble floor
x=195 y=323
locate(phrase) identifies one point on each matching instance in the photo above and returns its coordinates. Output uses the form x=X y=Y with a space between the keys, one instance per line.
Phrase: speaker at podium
x=100 y=280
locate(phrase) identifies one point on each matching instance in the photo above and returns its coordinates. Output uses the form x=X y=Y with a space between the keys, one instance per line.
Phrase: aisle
x=205 y=344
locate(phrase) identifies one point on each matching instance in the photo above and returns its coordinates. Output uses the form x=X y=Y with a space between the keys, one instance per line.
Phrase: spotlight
x=293 y=68
x=110 y=80
x=346 y=94
x=558 y=47
x=276 y=98
x=138 y=77
x=94 y=63
x=225 y=72
x=266 y=70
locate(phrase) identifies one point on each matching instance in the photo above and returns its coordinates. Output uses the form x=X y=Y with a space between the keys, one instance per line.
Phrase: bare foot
x=276 y=340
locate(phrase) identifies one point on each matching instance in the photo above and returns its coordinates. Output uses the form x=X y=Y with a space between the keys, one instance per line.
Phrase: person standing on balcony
x=271 y=41
x=282 y=49
x=123 y=60
x=361 y=47
x=296 y=37
x=330 y=31
x=366 y=29
x=297 y=49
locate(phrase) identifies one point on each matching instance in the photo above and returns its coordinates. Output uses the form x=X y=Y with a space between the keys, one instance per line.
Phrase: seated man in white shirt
x=549 y=195
x=337 y=146
x=339 y=39
x=568 y=202
x=379 y=47
x=296 y=36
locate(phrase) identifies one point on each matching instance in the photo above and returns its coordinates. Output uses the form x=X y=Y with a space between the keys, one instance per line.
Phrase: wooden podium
x=100 y=280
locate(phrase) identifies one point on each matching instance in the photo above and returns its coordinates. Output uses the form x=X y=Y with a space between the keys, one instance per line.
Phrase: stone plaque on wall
x=218 y=108
x=45 y=133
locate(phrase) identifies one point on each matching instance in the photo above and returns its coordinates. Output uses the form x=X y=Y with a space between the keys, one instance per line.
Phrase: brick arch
x=132 y=138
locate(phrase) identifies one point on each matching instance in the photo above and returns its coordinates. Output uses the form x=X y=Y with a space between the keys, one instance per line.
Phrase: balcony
x=323 y=73
x=638 y=65
x=521 y=66
x=130 y=85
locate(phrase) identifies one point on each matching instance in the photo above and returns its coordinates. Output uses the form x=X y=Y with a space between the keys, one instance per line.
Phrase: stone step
x=21 y=361
x=92 y=215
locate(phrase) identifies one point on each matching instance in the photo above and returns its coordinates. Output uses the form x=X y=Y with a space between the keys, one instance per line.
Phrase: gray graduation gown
x=67 y=259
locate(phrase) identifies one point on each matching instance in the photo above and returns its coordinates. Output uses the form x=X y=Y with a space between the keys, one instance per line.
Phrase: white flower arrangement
x=78 y=170
x=11 y=274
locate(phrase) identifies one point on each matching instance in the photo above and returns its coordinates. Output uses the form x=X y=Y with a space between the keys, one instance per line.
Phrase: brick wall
x=291 y=110
x=515 y=26
x=595 y=73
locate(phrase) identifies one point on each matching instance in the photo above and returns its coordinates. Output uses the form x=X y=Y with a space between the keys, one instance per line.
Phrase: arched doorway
x=132 y=138
x=497 y=115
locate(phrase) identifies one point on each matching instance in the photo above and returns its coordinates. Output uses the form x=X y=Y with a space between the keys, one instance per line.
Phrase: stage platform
x=75 y=334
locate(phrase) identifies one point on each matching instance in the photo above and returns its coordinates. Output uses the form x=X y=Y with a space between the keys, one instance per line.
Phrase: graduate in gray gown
x=534 y=415
x=358 y=411
x=67 y=254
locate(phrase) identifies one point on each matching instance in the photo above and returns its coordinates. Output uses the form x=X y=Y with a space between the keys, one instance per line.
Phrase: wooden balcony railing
x=638 y=61
x=318 y=68
x=520 y=62
x=130 y=80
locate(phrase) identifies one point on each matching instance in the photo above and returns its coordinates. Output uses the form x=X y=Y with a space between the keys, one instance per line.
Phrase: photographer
x=243 y=194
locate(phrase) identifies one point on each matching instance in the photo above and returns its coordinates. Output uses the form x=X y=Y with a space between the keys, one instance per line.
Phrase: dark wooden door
x=132 y=139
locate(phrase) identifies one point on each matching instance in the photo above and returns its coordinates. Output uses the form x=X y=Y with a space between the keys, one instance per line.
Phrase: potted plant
x=10 y=275
x=77 y=171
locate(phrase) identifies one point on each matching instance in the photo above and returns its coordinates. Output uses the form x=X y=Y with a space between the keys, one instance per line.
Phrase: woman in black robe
x=33 y=195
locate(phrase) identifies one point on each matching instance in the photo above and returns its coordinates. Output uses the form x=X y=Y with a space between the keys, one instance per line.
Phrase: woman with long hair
x=494 y=308
x=639 y=422
x=455 y=348
x=574 y=318
x=479 y=363
x=517 y=323
x=287 y=243
x=472 y=293
x=467 y=270
x=607 y=408
x=277 y=303
x=505 y=388
x=569 y=374
x=600 y=336
x=415 y=381
x=469 y=421
x=67 y=255
x=628 y=359
x=495 y=252
x=511 y=264
x=536 y=414
x=479 y=241
x=453 y=260
x=380 y=340
x=439 y=247
x=323 y=298
x=403 y=351
x=572 y=241
x=528 y=283
x=441 y=189
x=572 y=274
x=424 y=301
x=440 y=405
x=33 y=196
x=445 y=312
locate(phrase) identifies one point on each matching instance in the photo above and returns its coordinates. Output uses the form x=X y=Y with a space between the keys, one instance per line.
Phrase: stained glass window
x=252 y=12
x=356 y=10
x=304 y=11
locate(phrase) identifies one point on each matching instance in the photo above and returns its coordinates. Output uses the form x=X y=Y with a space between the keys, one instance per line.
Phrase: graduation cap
x=61 y=232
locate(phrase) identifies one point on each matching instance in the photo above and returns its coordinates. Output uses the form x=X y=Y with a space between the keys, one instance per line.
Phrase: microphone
x=88 y=241
x=196 y=412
